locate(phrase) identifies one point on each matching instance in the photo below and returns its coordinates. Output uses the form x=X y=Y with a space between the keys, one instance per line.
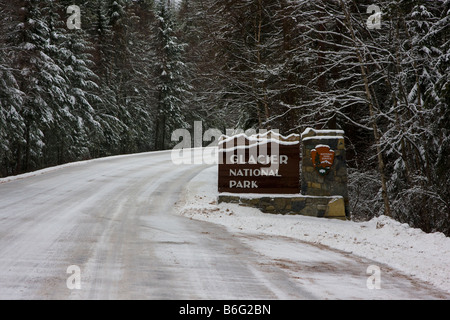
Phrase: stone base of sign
x=334 y=183
x=314 y=206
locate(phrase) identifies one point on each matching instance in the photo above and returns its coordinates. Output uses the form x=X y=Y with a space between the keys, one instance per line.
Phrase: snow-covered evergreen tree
x=172 y=87
x=12 y=128
x=69 y=137
x=41 y=79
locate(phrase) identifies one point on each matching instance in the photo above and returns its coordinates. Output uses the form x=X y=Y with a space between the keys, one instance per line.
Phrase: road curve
x=114 y=220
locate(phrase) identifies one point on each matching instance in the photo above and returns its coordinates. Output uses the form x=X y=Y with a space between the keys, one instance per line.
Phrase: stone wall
x=327 y=207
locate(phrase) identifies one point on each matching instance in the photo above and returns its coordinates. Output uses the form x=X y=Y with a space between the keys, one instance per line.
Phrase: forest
x=136 y=70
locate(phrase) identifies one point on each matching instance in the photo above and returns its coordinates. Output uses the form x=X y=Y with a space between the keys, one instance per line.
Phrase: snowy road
x=114 y=218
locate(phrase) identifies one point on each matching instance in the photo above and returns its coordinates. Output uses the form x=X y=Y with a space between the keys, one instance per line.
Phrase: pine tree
x=122 y=59
x=40 y=79
x=109 y=112
x=172 y=88
x=74 y=52
x=141 y=86
x=11 y=99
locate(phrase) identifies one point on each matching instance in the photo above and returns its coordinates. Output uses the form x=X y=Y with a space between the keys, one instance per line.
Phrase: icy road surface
x=115 y=220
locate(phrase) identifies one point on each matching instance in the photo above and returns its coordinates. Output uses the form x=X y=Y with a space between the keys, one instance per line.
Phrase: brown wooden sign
x=260 y=164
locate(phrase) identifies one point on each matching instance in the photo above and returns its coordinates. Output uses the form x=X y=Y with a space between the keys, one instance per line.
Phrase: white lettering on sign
x=254 y=173
x=243 y=184
x=327 y=157
x=261 y=159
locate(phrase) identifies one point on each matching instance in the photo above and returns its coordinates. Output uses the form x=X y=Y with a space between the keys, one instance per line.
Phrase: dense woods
x=137 y=70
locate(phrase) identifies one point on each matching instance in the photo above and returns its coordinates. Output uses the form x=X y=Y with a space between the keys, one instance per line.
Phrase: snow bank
x=415 y=253
x=40 y=172
x=67 y=165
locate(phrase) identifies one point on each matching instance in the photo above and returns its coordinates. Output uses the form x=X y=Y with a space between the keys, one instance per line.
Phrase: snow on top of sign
x=322 y=132
x=257 y=140
x=322 y=146
x=322 y=138
x=279 y=136
x=256 y=143
x=273 y=135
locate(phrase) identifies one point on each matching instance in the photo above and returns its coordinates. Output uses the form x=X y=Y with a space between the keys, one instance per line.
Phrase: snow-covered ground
x=386 y=241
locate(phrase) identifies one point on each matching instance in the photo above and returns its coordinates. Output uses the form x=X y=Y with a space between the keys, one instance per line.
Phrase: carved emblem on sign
x=322 y=158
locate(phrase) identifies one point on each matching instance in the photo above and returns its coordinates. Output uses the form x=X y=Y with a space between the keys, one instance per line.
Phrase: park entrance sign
x=286 y=175
x=264 y=164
